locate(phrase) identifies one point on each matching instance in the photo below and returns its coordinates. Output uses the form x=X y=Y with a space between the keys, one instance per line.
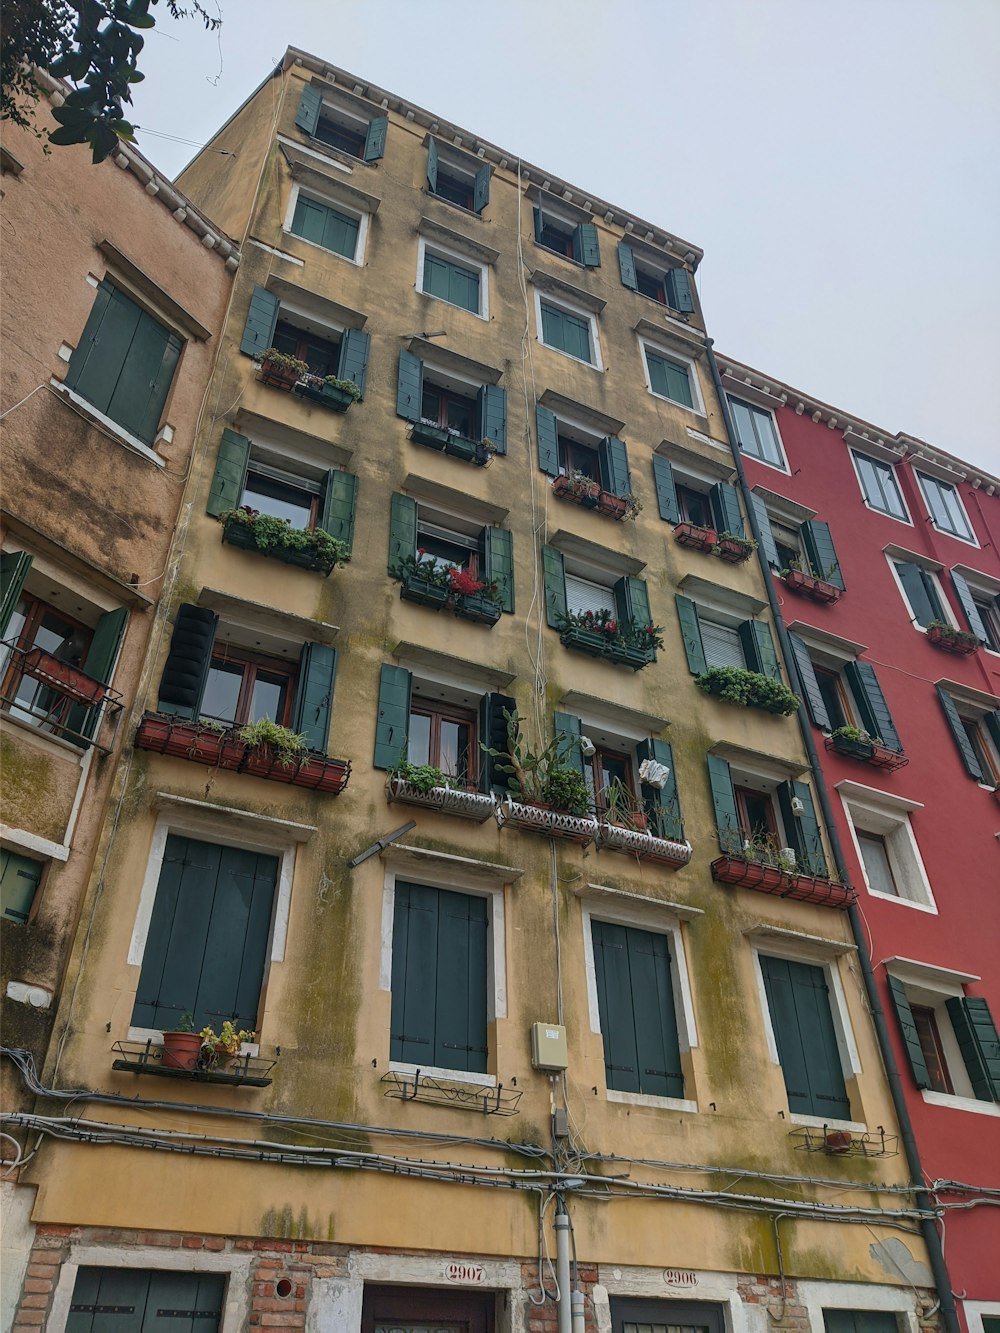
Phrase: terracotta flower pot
x=695 y=538
x=181 y=1050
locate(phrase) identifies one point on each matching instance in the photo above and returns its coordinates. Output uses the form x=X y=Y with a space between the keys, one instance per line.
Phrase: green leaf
x=69 y=134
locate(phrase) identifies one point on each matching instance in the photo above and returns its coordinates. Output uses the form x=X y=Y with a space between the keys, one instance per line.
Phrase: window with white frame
x=640 y=1003
x=921 y=591
x=453 y=278
x=949 y=1036
x=567 y=329
x=757 y=433
x=330 y=226
x=886 y=846
x=945 y=507
x=561 y=235
x=672 y=377
x=879 y=486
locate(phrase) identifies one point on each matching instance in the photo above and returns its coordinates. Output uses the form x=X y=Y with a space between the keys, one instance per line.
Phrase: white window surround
x=438 y=875
x=308 y=151
x=560 y=303
x=854 y=454
x=897 y=1300
x=782 y=465
x=930 y=567
x=648 y=916
x=932 y=986
x=236 y=1267
x=775 y=946
x=201 y=820
x=923 y=477
x=112 y=428
x=875 y=811
x=684 y=363
x=463 y=261
x=328 y=201
x=974 y=1311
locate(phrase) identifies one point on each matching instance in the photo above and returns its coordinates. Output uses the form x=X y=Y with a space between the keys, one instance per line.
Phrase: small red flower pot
x=615 y=506
x=733 y=552
x=695 y=538
x=181 y=1050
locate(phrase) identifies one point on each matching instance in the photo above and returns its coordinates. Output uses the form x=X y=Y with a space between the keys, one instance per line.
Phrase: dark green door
x=115 y=1300
x=207 y=943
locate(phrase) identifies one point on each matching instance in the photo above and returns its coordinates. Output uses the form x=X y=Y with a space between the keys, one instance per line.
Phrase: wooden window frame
x=574 y=452
x=973 y=729
x=455 y=1311
x=439 y=712
x=304 y=340
x=989 y=614
x=742 y=795
x=312 y=496
x=446 y=398
x=929 y=1037
x=595 y=763
x=25 y=641
x=651 y=285
x=839 y=687
x=226 y=655
x=685 y=495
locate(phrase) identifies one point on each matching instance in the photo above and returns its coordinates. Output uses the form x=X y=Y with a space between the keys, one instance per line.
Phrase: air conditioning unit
x=653 y=773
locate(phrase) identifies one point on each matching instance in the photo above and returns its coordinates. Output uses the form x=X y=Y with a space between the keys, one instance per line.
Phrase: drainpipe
x=563 y=1226
x=928 y=1228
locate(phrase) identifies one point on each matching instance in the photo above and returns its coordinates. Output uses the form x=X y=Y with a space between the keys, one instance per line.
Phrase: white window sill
x=449 y=1075
x=474 y=313
x=155 y=1037
x=645 y=1099
x=112 y=427
x=77 y=750
x=885 y=513
x=945 y=532
x=819 y=1122
x=570 y=357
x=348 y=259
x=960 y=1103
x=765 y=462
x=905 y=902
x=461 y=208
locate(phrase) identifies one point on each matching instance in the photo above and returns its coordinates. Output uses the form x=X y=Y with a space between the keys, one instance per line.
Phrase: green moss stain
x=31 y=798
x=287 y=1224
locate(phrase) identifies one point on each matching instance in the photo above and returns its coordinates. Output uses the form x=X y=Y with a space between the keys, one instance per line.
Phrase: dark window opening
x=577 y=457
x=416 y=1310
x=930 y=1044
x=980 y=749
x=242 y=688
x=321 y=355
x=342 y=136
x=651 y=285
x=990 y=616
x=36 y=624
x=450 y=410
x=280 y=499
x=456 y=189
x=694 y=507
x=444 y=737
x=831 y=687
x=755 y=811
x=556 y=238
x=605 y=771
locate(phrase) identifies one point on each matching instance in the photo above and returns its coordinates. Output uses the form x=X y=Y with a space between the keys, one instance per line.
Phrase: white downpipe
x=562 y=1271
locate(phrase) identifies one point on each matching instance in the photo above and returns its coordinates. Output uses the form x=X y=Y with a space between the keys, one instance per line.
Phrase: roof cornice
x=529 y=173
x=854 y=430
x=128 y=158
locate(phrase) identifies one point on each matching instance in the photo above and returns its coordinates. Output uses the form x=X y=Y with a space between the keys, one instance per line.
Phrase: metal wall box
x=548 y=1046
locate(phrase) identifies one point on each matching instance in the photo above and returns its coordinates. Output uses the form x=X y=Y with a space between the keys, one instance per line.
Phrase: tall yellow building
x=577 y=1039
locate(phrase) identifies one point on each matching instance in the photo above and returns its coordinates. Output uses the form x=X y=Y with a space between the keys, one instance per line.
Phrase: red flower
x=463 y=583
x=589 y=615
x=612 y=627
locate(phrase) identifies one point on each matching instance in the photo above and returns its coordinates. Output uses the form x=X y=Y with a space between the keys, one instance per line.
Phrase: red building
x=885 y=554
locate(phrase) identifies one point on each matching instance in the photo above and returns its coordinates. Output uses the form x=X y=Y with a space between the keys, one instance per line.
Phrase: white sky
x=837 y=160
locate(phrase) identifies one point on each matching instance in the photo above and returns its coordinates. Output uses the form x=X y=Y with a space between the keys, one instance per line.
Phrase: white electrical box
x=548 y=1046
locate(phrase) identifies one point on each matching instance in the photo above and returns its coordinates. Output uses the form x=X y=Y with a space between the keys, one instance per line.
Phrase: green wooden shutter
x=802 y=830
x=586 y=249
x=99 y=664
x=908 y=1031
x=977 y=1038
x=554 y=569
x=570 y=728
x=548 y=441
x=758 y=648
x=375 y=138
x=493 y=415
x=636 y=1005
x=687 y=614
x=460 y=1018
x=354 y=346
x=875 y=716
x=310 y=105
x=262 y=317
x=767 y=541
x=799 y=1003
x=19 y=879
x=964 y=594
x=821 y=552
x=432 y=166
x=626 y=266
x=615 y=1004
x=493 y=735
x=499 y=550
x=613 y=461
x=393 y=721
x=402 y=529
x=726 y=508
x=414 y=973
x=14 y=566
x=727 y=821
x=680 y=292
x=207 y=898
x=188 y=660
x=314 y=695
x=969 y=757
x=481 y=190
x=810 y=685
x=666 y=491
x=340 y=498
x=539 y=222
x=409 y=386
x=632 y=601
x=98 y=357
x=662 y=804
x=230 y=472
x=992 y=721
x=141 y=392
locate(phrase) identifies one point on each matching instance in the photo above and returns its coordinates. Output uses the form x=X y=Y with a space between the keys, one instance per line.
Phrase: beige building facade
x=507 y=1060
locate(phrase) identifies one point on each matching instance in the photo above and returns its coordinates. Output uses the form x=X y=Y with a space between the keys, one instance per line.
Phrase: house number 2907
x=465 y=1273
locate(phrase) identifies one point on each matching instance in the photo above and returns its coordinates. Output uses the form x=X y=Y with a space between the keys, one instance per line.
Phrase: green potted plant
x=281 y=370
x=273 y=751
x=852 y=741
x=547 y=794
x=623 y=808
x=331 y=392
x=182 y=1044
x=219 y=1049
x=733 y=548
x=952 y=640
x=577 y=487
x=251 y=530
x=423 y=579
x=748 y=689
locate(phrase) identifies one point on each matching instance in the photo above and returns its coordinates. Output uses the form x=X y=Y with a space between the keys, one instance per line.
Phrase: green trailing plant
x=421 y=777
x=345 y=386
x=852 y=733
x=749 y=689
x=543 y=777
x=616 y=632
x=633 y=506
x=422 y=566
x=746 y=543
x=271 y=533
x=954 y=635
x=283 y=361
x=287 y=746
x=220 y=1046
